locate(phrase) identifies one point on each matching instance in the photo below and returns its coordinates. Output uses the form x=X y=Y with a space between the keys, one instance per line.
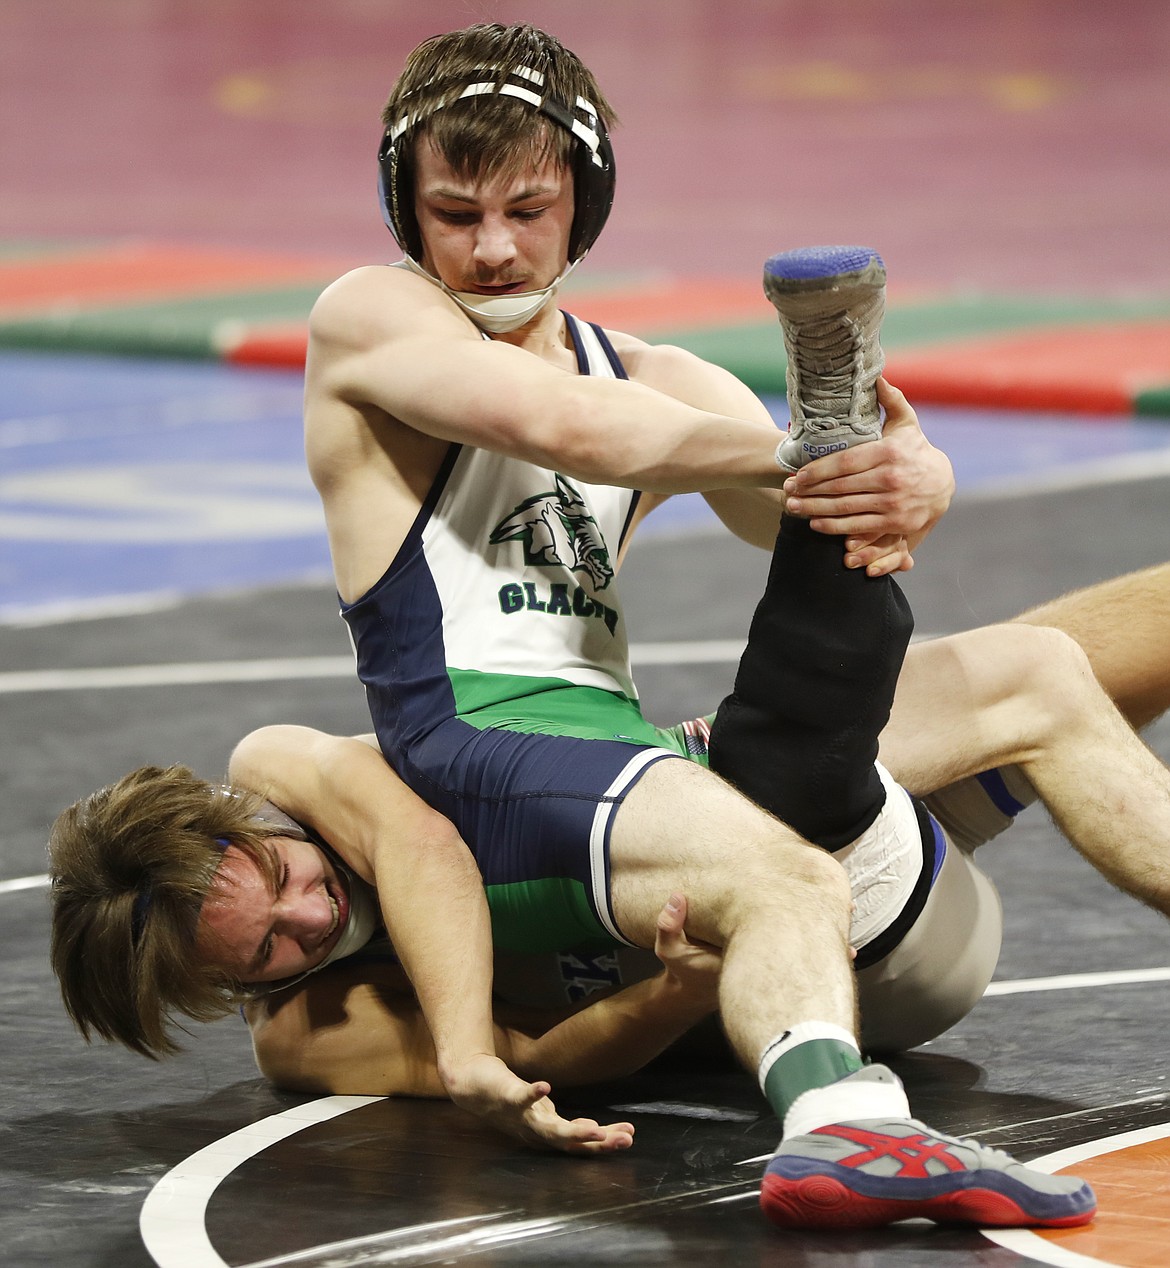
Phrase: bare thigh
x=968 y=702
x=777 y=906
x=683 y=829
x=1124 y=627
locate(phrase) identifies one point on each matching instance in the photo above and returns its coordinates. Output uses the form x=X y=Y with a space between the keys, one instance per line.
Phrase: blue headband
x=144 y=899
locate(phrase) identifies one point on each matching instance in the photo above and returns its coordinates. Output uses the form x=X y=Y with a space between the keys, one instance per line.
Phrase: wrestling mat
x=1068 y=353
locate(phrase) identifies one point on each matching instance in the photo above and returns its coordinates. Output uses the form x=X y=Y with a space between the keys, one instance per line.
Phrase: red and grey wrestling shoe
x=873 y=1172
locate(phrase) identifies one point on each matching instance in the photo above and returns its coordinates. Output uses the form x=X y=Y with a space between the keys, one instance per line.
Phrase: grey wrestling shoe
x=831 y=301
x=875 y=1172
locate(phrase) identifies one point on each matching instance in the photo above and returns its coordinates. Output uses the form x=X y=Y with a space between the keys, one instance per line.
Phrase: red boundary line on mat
x=937 y=387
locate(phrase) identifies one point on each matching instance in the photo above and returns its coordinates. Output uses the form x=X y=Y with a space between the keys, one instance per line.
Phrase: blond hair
x=131 y=865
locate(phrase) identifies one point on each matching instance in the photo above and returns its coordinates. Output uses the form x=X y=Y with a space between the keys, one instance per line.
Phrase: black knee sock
x=799 y=734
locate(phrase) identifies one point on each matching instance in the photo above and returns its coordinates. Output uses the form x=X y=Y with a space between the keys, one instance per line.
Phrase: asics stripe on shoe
x=867 y=1174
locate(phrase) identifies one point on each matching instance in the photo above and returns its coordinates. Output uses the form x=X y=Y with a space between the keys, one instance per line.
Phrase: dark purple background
x=995 y=145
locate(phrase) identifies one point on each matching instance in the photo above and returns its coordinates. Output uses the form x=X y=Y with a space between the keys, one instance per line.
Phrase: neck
x=546 y=334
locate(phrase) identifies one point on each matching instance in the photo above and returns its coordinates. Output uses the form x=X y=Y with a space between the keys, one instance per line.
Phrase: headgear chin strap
x=497 y=314
x=593 y=184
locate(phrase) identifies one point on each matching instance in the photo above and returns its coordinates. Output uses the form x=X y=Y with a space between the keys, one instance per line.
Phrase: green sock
x=814 y=1063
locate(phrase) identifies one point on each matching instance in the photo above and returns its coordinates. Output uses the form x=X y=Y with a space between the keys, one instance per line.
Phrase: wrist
x=461 y=1074
x=689 y=997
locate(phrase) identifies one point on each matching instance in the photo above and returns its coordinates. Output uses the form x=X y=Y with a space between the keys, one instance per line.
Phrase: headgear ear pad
x=593 y=165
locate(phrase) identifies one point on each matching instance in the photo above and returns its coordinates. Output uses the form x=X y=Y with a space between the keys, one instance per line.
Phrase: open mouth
x=339 y=905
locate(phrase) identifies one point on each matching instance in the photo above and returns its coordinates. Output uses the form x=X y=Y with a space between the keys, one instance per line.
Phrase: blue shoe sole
x=801 y=1193
x=810 y=263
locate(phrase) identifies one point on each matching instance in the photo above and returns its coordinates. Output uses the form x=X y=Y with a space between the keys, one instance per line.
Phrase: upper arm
x=383 y=339
x=752 y=514
x=343 y=789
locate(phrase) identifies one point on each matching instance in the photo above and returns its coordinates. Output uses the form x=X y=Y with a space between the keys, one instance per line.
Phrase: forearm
x=448 y=962
x=601 y=430
x=626 y=434
x=753 y=515
x=610 y=1037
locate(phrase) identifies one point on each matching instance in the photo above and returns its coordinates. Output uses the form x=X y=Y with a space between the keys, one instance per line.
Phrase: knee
x=1049 y=674
x=790 y=877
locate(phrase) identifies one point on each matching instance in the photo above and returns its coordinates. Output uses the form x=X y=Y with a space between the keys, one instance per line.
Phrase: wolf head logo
x=557 y=529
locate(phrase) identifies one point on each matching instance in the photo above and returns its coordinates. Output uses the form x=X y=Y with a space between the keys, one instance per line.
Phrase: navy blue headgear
x=593 y=165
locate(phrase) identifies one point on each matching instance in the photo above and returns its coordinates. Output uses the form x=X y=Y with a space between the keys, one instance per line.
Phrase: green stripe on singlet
x=552 y=914
x=551 y=706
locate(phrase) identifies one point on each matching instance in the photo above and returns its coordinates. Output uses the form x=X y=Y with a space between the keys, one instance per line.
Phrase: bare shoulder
x=350 y=1029
x=687 y=377
x=355 y=287
x=263 y=755
x=367 y=303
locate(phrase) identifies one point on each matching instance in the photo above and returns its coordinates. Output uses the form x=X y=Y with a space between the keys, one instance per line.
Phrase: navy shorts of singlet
x=537 y=811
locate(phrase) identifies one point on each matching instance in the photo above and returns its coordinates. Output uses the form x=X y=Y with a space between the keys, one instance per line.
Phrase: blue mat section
x=130 y=478
x=126 y=479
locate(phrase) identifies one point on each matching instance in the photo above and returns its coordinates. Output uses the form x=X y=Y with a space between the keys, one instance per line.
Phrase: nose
x=495 y=245
x=305 y=917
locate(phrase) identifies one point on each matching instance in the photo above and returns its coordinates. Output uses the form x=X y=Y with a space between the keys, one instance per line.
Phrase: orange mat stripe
x=140 y=272
x=1132 y=1227
x=991 y=389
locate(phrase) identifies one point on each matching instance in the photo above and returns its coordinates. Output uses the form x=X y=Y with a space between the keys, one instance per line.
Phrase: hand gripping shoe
x=874 y=1172
x=831 y=301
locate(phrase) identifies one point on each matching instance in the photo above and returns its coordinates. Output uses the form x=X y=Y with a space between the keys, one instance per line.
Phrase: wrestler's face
x=495 y=236
x=259 y=934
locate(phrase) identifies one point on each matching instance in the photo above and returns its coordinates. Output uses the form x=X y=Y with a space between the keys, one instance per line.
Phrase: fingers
x=897 y=408
x=850 y=471
x=878 y=556
x=669 y=937
x=868 y=525
x=587 y=1136
x=547 y=1130
x=535 y=1092
x=848 y=488
x=673 y=915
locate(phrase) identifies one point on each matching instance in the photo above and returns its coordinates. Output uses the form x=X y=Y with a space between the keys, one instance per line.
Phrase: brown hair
x=131 y=865
x=491 y=135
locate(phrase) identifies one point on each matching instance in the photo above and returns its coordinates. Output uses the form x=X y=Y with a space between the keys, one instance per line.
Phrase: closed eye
x=456 y=217
x=269 y=944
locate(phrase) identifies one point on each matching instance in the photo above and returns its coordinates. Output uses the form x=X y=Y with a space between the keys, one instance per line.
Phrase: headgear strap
x=593 y=168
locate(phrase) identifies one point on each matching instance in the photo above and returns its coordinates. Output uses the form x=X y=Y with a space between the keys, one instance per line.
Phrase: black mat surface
x=87 y=1132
